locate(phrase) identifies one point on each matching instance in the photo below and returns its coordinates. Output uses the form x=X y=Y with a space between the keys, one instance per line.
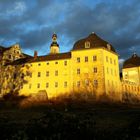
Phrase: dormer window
x=87 y=44
x=108 y=47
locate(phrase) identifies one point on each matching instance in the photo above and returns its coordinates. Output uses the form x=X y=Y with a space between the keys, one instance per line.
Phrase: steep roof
x=42 y=58
x=95 y=42
x=133 y=61
x=50 y=57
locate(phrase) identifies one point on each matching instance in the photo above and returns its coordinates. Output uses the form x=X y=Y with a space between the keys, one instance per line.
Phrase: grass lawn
x=70 y=120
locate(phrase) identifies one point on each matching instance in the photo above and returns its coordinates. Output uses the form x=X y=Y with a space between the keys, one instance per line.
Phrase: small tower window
x=87 y=44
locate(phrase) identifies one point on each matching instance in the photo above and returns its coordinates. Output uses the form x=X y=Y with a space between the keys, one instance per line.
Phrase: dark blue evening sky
x=32 y=23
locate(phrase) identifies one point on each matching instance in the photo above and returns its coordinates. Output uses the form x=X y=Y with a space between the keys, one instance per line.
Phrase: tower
x=54 y=48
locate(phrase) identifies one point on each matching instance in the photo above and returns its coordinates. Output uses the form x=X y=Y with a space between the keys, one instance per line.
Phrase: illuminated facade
x=91 y=66
x=131 y=75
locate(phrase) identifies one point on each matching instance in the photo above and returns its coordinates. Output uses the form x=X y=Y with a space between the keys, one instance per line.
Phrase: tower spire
x=54 y=48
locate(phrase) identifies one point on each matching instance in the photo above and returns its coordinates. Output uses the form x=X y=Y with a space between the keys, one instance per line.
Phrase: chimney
x=35 y=54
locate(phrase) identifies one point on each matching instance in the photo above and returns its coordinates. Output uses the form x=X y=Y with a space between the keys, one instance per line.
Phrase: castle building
x=91 y=66
x=131 y=74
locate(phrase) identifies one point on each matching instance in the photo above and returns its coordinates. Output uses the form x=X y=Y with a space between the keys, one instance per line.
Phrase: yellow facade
x=132 y=74
x=87 y=70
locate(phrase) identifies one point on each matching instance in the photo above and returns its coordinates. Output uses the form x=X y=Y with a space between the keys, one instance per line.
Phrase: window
x=87 y=44
x=86 y=58
x=47 y=73
x=65 y=84
x=38 y=85
x=13 y=57
x=106 y=58
x=78 y=59
x=47 y=85
x=10 y=56
x=107 y=70
x=65 y=63
x=87 y=82
x=94 y=58
x=114 y=62
x=31 y=75
x=108 y=47
x=95 y=69
x=39 y=64
x=126 y=76
x=39 y=74
x=56 y=73
x=78 y=83
x=111 y=72
x=15 y=75
x=111 y=60
x=56 y=84
x=22 y=75
x=47 y=63
x=78 y=71
x=56 y=62
x=30 y=85
x=95 y=83
x=18 y=52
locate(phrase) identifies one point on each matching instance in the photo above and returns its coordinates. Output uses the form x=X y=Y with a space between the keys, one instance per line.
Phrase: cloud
x=32 y=22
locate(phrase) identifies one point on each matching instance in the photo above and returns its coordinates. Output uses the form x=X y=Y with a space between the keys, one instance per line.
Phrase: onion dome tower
x=54 y=47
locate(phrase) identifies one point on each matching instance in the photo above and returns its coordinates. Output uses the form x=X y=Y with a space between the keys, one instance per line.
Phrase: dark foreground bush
x=13 y=99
